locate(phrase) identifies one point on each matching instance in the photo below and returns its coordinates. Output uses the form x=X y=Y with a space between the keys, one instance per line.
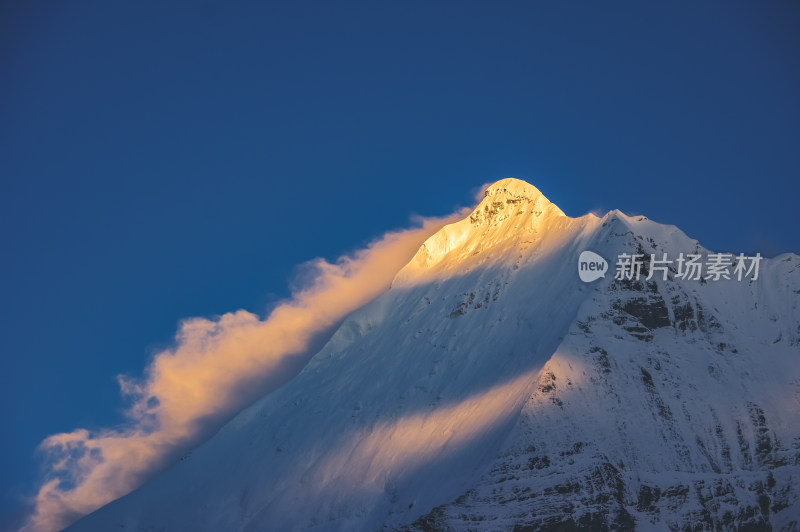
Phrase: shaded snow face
x=491 y=388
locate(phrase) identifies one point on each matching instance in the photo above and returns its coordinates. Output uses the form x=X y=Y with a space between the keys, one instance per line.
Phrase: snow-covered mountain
x=491 y=389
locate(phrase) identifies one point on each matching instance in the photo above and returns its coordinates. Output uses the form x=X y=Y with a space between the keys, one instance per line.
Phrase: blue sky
x=165 y=161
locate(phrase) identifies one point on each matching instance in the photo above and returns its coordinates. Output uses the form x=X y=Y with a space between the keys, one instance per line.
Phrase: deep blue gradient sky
x=165 y=161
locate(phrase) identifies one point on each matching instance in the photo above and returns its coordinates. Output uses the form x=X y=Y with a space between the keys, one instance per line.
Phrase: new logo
x=591 y=266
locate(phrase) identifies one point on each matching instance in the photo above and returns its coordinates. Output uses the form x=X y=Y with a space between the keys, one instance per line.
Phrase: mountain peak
x=511 y=211
x=514 y=196
x=513 y=188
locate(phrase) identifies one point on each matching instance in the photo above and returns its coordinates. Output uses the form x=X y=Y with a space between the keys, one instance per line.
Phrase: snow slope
x=490 y=389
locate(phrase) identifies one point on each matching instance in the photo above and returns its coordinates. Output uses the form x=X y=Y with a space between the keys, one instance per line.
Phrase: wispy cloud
x=216 y=368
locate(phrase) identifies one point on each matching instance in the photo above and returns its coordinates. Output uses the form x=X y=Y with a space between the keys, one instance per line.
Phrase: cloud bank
x=216 y=368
